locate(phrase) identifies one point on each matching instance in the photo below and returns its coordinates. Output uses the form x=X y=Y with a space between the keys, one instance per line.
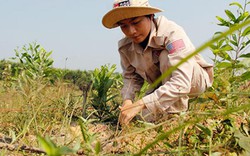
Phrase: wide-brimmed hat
x=123 y=9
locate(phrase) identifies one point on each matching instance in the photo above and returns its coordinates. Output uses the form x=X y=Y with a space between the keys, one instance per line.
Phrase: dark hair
x=150 y=15
x=153 y=15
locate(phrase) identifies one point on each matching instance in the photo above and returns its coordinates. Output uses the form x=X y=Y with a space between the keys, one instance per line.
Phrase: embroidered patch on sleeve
x=175 y=45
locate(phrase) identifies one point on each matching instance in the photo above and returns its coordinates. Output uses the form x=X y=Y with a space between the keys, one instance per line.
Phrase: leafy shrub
x=4 y=64
x=78 y=77
x=35 y=61
x=231 y=56
x=105 y=90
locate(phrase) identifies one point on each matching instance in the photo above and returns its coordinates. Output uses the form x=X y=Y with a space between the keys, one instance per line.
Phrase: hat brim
x=111 y=18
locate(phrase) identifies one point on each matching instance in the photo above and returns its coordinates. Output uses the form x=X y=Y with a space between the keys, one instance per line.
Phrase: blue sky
x=72 y=29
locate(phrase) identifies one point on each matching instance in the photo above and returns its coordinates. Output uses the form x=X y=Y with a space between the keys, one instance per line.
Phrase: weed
x=102 y=94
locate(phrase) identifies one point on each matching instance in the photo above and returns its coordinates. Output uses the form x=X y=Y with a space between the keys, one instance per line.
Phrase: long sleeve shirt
x=168 y=44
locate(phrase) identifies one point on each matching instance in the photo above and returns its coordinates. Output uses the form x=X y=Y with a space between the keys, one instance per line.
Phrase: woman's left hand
x=129 y=111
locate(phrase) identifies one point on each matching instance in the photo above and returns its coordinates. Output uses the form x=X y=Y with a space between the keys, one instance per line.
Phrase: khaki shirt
x=166 y=47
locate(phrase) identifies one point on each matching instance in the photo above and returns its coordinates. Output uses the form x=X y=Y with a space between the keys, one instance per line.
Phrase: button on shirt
x=168 y=44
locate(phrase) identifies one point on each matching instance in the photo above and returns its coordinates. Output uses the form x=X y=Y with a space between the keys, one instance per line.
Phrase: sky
x=72 y=29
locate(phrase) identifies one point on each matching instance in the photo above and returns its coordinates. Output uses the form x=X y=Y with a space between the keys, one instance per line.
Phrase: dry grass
x=50 y=113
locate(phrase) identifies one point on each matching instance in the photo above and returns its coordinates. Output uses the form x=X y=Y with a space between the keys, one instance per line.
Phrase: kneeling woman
x=150 y=47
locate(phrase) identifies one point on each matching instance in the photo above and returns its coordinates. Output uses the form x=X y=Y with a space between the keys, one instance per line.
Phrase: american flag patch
x=176 y=45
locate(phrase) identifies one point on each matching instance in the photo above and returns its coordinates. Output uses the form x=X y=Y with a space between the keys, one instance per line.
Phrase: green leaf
x=220 y=19
x=36 y=48
x=234 y=43
x=83 y=129
x=213 y=46
x=246 y=15
x=217 y=33
x=224 y=65
x=246 y=31
x=223 y=21
x=244 y=45
x=206 y=130
x=240 y=18
x=234 y=37
x=226 y=47
x=223 y=53
x=47 y=145
x=237 y=4
x=246 y=76
x=97 y=148
x=230 y=15
x=220 y=43
x=245 y=55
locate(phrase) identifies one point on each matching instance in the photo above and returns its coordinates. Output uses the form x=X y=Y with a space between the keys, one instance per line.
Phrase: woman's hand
x=129 y=111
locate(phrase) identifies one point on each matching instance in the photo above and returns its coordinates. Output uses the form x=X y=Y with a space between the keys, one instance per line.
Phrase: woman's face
x=136 y=28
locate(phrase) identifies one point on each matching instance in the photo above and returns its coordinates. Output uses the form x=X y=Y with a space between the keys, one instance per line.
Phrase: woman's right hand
x=129 y=111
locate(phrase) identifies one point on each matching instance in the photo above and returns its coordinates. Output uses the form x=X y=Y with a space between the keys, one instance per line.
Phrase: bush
x=104 y=93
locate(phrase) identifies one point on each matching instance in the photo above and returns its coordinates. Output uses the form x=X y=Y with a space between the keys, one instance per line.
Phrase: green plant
x=6 y=76
x=143 y=91
x=104 y=92
x=38 y=103
x=35 y=61
x=231 y=56
x=90 y=145
x=52 y=149
x=77 y=77
x=7 y=73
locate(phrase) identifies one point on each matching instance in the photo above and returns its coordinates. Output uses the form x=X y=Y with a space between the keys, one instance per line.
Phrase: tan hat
x=123 y=9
